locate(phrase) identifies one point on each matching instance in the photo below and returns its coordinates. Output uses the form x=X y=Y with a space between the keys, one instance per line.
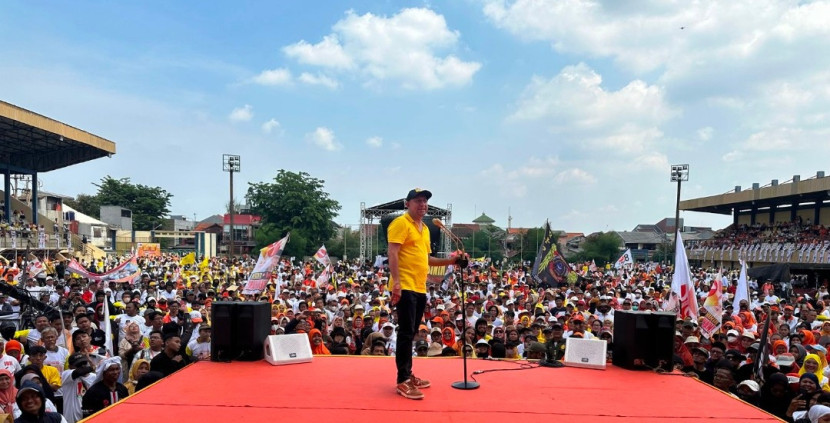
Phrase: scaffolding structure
x=369 y=215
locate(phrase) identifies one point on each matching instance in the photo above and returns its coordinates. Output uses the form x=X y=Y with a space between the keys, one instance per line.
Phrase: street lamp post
x=231 y=164
x=679 y=174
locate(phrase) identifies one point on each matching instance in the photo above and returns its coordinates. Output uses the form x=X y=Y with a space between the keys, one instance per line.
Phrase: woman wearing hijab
x=8 y=392
x=315 y=337
x=798 y=353
x=779 y=347
x=812 y=364
x=132 y=343
x=776 y=395
x=819 y=414
x=448 y=337
x=139 y=368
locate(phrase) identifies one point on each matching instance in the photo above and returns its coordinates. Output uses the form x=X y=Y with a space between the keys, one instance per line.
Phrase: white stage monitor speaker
x=287 y=349
x=588 y=353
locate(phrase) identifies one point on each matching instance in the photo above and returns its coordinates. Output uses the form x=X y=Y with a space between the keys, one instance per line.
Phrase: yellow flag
x=190 y=258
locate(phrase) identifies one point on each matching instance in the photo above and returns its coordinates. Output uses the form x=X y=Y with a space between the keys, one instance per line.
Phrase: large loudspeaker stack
x=643 y=340
x=239 y=330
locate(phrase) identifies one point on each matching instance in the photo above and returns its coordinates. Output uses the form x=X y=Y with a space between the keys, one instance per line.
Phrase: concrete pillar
x=7 y=195
x=34 y=199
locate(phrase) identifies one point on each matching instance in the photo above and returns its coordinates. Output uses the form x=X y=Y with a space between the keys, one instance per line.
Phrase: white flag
x=322 y=256
x=624 y=259
x=107 y=326
x=742 y=291
x=681 y=283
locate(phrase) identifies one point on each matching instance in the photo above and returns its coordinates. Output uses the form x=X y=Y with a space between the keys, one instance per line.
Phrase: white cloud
x=274 y=77
x=324 y=138
x=678 y=36
x=404 y=48
x=575 y=105
x=705 y=134
x=375 y=142
x=652 y=161
x=327 y=53
x=318 y=79
x=575 y=176
x=242 y=114
x=733 y=156
x=271 y=126
x=576 y=96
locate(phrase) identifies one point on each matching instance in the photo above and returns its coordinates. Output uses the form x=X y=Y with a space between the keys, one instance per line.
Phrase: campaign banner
x=269 y=259
x=127 y=271
x=713 y=309
x=149 y=250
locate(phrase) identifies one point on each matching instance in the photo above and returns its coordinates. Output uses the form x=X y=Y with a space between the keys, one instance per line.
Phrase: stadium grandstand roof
x=814 y=189
x=641 y=237
x=32 y=142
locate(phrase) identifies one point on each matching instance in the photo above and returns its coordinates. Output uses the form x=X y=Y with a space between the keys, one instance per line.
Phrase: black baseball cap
x=416 y=192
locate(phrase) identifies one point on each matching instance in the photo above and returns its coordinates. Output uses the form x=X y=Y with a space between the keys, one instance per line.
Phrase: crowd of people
x=798 y=241
x=69 y=363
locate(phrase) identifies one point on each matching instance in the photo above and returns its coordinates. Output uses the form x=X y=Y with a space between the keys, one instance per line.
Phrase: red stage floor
x=360 y=389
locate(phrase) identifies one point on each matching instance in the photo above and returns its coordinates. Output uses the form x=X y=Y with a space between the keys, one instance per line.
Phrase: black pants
x=410 y=313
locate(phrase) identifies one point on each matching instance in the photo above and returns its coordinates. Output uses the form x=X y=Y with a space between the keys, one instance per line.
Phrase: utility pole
x=231 y=164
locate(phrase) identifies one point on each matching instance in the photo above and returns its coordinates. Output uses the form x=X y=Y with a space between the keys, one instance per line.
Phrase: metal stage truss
x=370 y=215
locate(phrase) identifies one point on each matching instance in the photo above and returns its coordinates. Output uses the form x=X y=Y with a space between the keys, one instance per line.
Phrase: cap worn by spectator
x=785 y=360
x=751 y=384
x=421 y=345
x=418 y=192
x=701 y=350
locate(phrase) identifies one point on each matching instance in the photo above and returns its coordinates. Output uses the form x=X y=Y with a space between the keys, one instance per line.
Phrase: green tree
x=602 y=247
x=346 y=241
x=295 y=203
x=489 y=242
x=86 y=204
x=149 y=204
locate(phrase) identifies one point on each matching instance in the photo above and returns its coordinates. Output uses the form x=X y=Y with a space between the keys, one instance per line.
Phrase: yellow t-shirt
x=413 y=259
x=52 y=375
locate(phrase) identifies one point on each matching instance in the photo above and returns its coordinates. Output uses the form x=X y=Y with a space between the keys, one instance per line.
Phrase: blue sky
x=570 y=111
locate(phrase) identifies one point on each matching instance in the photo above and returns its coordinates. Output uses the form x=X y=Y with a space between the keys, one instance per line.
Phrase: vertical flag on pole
x=550 y=267
x=681 y=283
x=742 y=290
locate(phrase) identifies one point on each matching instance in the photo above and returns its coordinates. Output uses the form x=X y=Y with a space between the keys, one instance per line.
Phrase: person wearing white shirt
x=6 y=361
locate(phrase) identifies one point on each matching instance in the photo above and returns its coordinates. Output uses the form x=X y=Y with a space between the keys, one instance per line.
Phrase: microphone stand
x=464 y=384
x=461 y=263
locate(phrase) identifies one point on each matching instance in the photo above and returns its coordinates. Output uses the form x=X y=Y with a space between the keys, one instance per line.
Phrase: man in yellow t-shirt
x=409 y=261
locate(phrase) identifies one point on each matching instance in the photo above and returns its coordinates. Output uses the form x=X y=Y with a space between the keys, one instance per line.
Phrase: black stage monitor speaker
x=643 y=340
x=239 y=330
x=221 y=337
